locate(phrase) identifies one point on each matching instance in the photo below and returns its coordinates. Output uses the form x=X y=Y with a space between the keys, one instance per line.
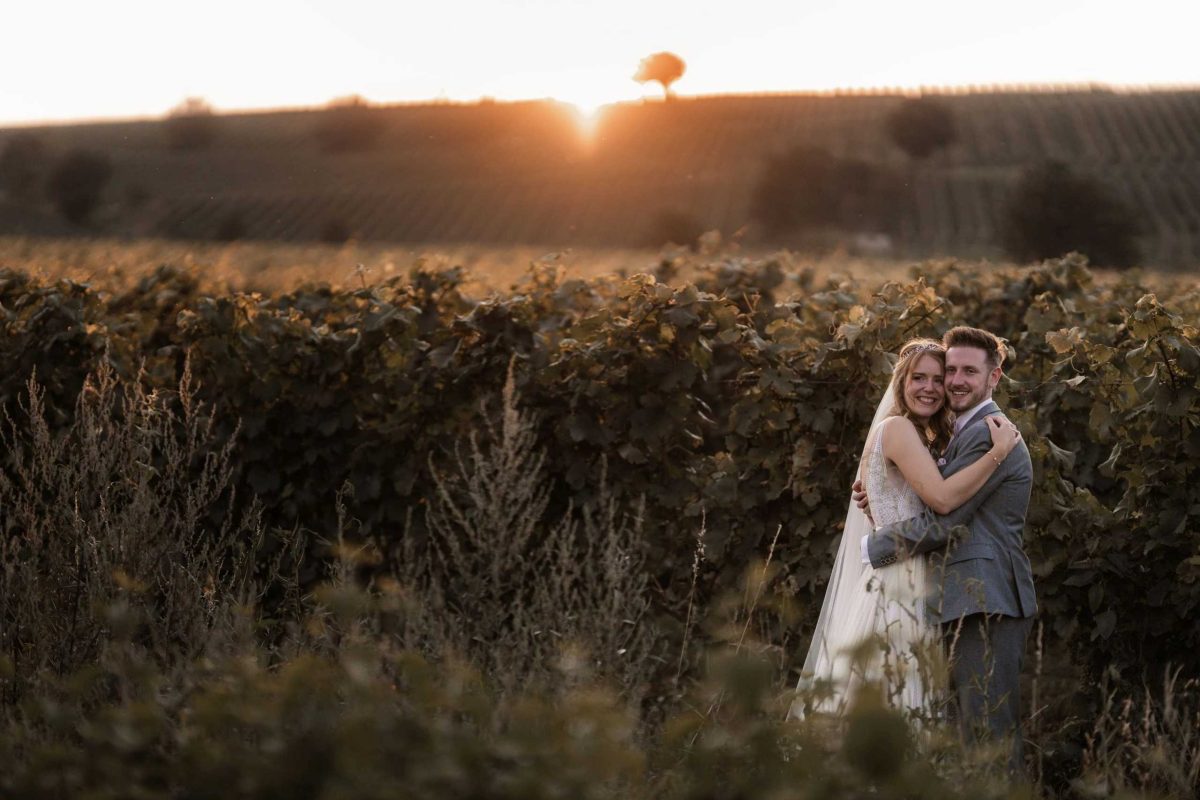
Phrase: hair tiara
x=923 y=347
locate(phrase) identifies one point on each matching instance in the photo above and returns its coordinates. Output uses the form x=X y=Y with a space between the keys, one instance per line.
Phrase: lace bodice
x=892 y=499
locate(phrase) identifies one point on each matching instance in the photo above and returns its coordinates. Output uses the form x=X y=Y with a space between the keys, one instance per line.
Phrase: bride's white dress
x=873 y=626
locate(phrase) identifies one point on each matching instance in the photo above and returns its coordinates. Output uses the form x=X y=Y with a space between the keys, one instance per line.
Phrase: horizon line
x=1048 y=87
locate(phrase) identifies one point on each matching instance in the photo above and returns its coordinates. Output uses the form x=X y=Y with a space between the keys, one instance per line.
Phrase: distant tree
x=349 y=123
x=922 y=126
x=22 y=167
x=665 y=68
x=807 y=187
x=191 y=125
x=1053 y=211
x=77 y=184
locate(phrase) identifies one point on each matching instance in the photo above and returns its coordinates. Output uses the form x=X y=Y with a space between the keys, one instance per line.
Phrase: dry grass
x=1148 y=743
x=126 y=516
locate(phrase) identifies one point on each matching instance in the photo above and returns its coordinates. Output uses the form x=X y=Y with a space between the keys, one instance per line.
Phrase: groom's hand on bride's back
x=860 y=498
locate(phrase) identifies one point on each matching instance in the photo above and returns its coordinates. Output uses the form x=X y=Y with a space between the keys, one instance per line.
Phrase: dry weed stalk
x=1149 y=744
x=129 y=506
x=518 y=586
x=697 y=559
x=756 y=580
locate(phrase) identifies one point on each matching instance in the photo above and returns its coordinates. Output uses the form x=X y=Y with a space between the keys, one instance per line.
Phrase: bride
x=873 y=628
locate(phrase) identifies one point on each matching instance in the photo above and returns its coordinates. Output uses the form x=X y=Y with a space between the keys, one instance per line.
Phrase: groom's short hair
x=963 y=336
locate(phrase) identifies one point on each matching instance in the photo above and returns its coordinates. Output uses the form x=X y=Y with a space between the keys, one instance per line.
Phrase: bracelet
x=994 y=458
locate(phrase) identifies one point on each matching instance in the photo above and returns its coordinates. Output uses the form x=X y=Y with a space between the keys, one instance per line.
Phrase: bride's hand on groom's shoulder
x=1004 y=433
x=859 y=496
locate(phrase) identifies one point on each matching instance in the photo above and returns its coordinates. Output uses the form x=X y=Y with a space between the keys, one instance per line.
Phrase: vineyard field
x=536 y=173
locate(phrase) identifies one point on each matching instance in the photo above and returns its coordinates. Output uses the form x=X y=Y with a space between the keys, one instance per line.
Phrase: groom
x=986 y=600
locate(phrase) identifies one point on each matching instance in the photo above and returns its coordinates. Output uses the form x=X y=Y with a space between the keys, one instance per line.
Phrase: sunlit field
x=275 y=267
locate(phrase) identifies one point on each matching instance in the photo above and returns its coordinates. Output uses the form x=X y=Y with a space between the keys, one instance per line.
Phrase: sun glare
x=588 y=108
x=587 y=117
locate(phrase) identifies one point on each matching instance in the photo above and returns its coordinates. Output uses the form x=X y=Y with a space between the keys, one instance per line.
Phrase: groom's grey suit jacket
x=976 y=561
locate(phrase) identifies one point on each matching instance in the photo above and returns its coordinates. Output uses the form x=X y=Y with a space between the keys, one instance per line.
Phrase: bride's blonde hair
x=939 y=427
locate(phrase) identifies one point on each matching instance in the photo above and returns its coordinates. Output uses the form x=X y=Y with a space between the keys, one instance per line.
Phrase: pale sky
x=131 y=58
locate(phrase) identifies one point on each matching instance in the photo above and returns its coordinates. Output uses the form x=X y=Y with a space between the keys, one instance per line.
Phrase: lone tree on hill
x=1053 y=211
x=191 y=125
x=666 y=68
x=921 y=126
x=77 y=184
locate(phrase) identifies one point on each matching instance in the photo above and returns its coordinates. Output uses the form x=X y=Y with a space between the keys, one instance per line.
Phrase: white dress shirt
x=960 y=422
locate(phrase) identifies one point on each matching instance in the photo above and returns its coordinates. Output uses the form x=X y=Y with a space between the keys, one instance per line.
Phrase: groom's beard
x=959 y=404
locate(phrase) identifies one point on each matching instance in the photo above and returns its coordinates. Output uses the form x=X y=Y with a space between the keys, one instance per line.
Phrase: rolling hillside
x=509 y=173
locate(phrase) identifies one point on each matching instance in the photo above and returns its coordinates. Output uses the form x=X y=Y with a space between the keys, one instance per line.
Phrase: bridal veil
x=827 y=663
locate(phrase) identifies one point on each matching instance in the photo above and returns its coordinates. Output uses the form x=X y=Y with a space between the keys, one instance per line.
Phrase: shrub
x=348 y=124
x=1053 y=211
x=77 y=184
x=922 y=126
x=191 y=125
x=22 y=165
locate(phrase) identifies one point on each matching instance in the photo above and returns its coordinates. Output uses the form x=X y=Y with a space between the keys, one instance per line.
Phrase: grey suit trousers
x=987 y=652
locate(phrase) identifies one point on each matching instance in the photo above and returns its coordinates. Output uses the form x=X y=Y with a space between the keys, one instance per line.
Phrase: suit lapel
x=952 y=449
x=990 y=408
